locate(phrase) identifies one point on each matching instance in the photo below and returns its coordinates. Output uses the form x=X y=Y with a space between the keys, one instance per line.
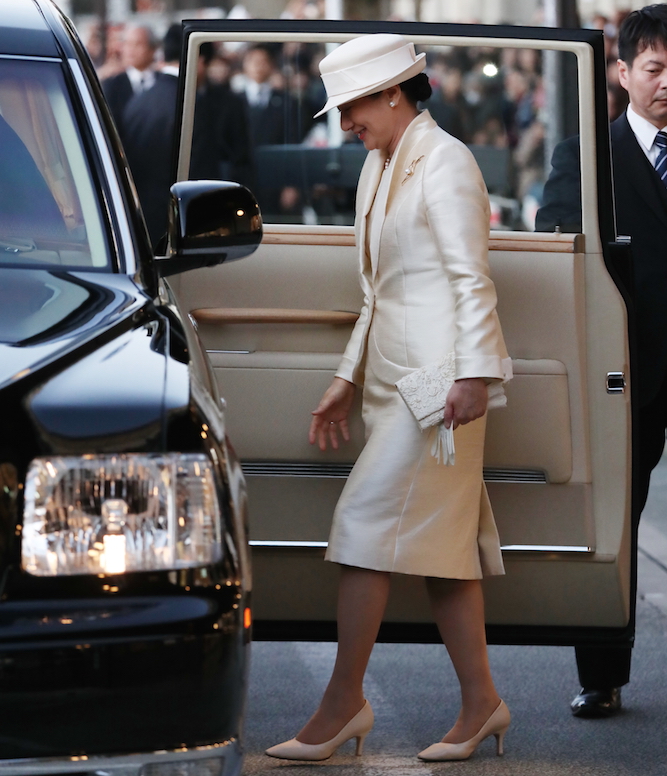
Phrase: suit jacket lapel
x=637 y=169
x=400 y=164
x=366 y=190
x=407 y=157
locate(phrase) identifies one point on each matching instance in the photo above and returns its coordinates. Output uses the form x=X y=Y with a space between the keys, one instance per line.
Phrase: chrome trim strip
x=507 y=548
x=342 y=470
x=27 y=58
x=125 y=249
x=233 y=352
x=302 y=545
x=125 y=765
x=289 y=469
x=569 y=548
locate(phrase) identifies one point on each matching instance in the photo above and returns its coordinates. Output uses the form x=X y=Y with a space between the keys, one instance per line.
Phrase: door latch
x=615 y=382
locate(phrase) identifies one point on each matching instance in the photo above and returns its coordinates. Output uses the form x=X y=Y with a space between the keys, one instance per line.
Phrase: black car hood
x=45 y=314
x=88 y=363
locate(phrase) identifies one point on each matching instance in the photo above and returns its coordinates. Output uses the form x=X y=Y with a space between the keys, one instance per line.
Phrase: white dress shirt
x=258 y=94
x=645 y=133
x=141 y=80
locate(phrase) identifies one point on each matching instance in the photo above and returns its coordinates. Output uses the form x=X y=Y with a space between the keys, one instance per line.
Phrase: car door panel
x=557 y=458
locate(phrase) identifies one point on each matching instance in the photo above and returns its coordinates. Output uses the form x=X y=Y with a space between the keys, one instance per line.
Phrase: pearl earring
x=392 y=104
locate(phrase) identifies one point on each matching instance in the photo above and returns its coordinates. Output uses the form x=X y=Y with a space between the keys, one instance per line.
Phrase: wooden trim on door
x=222 y=315
x=538 y=242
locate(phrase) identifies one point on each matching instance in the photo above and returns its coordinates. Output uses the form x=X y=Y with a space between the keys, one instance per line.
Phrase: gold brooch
x=410 y=171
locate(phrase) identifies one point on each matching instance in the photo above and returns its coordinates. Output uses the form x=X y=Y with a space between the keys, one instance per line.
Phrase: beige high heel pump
x=496 y=725
x=358 y=727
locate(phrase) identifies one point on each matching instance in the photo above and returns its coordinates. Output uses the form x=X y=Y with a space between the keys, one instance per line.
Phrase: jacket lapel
x=407 y=158
x=366 y=190
x=636 y=168
x=401 y=168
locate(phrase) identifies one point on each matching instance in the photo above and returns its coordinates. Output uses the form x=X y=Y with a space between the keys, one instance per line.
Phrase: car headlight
x=117 y=513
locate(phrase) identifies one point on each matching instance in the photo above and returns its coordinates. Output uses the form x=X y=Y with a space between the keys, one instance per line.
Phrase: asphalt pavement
x=413 y=691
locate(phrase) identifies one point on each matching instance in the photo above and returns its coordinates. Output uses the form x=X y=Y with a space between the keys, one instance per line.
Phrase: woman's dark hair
x=642 y=29
x=417 y=89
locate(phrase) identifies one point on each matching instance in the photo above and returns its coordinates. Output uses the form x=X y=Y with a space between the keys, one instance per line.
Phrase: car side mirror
x=209 y=222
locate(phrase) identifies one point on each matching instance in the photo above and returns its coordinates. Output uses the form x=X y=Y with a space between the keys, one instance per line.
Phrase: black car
x=124 y=576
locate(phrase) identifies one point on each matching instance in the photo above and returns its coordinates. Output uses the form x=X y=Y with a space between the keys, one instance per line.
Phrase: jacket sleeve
x=457 y=209
x=353 y=363
x=351 y=367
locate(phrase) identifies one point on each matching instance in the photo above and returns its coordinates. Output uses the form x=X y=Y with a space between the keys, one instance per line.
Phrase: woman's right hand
x=331 y=414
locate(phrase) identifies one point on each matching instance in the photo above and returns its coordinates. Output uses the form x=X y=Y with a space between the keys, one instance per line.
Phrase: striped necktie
x=661 y=161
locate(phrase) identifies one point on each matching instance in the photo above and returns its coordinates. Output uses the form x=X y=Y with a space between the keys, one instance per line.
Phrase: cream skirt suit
x=422 y=229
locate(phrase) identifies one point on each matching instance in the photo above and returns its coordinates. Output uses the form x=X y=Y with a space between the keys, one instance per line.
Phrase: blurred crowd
x=494 y=98
x=252 y=98
x=617 y=96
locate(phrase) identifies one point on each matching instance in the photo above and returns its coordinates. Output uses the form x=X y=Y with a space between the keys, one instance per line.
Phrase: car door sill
x=508 y=549
x=342 y=470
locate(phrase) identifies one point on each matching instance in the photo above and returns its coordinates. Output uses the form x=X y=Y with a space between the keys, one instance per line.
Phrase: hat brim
x=340 y=99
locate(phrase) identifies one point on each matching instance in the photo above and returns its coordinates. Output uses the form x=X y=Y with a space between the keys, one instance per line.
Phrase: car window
x=254 y=123
x=49 y=212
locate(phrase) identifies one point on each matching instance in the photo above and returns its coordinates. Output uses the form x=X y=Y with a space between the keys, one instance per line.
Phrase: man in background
x=138 y=53
x=221 y=137
x=147 y=123
x=275 y=118
x=220 y=144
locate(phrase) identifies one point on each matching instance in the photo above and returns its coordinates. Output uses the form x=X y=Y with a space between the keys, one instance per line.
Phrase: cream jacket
x=425 y=278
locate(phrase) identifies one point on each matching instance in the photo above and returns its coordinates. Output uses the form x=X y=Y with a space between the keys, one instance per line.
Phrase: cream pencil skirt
x=400 y=509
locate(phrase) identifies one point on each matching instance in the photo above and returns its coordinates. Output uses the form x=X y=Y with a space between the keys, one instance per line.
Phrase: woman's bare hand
x=466 y=401
x=331 y=414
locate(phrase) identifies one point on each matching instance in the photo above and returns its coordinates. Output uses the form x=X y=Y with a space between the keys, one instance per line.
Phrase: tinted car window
x=48 y=206
x=254 y=123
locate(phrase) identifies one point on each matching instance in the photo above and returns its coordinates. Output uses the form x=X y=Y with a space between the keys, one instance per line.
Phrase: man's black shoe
x=597 y=703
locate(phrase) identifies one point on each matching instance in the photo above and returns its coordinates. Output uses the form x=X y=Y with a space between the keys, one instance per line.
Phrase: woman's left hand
x=466 y=401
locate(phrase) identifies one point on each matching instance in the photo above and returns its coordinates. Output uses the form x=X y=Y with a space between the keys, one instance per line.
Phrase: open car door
x=557 y=461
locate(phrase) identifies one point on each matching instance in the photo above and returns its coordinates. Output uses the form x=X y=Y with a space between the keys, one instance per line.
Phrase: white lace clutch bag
x=425 y=392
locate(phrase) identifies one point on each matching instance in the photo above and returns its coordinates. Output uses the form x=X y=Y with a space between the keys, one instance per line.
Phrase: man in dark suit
x=221 y=139
x=148 y=140
x=139 y=46
x=147 y=124
x=220 y=145
x=639 y=157
x=275 y=117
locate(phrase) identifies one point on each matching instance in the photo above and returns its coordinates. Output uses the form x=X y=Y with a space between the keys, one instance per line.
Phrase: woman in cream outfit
x=422 y=227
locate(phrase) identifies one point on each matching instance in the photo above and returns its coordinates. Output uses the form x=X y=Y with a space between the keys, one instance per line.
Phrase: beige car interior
x=557 y=457
x=33 y=104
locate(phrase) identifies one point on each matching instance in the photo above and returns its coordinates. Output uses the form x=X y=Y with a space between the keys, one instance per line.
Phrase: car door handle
x=615 y=382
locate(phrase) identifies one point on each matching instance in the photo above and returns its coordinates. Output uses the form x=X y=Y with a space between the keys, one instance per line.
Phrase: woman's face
x=371 y=119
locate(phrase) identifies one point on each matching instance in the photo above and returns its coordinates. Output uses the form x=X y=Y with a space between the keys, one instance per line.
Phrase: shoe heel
x=499 y=742
x=360 y=745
